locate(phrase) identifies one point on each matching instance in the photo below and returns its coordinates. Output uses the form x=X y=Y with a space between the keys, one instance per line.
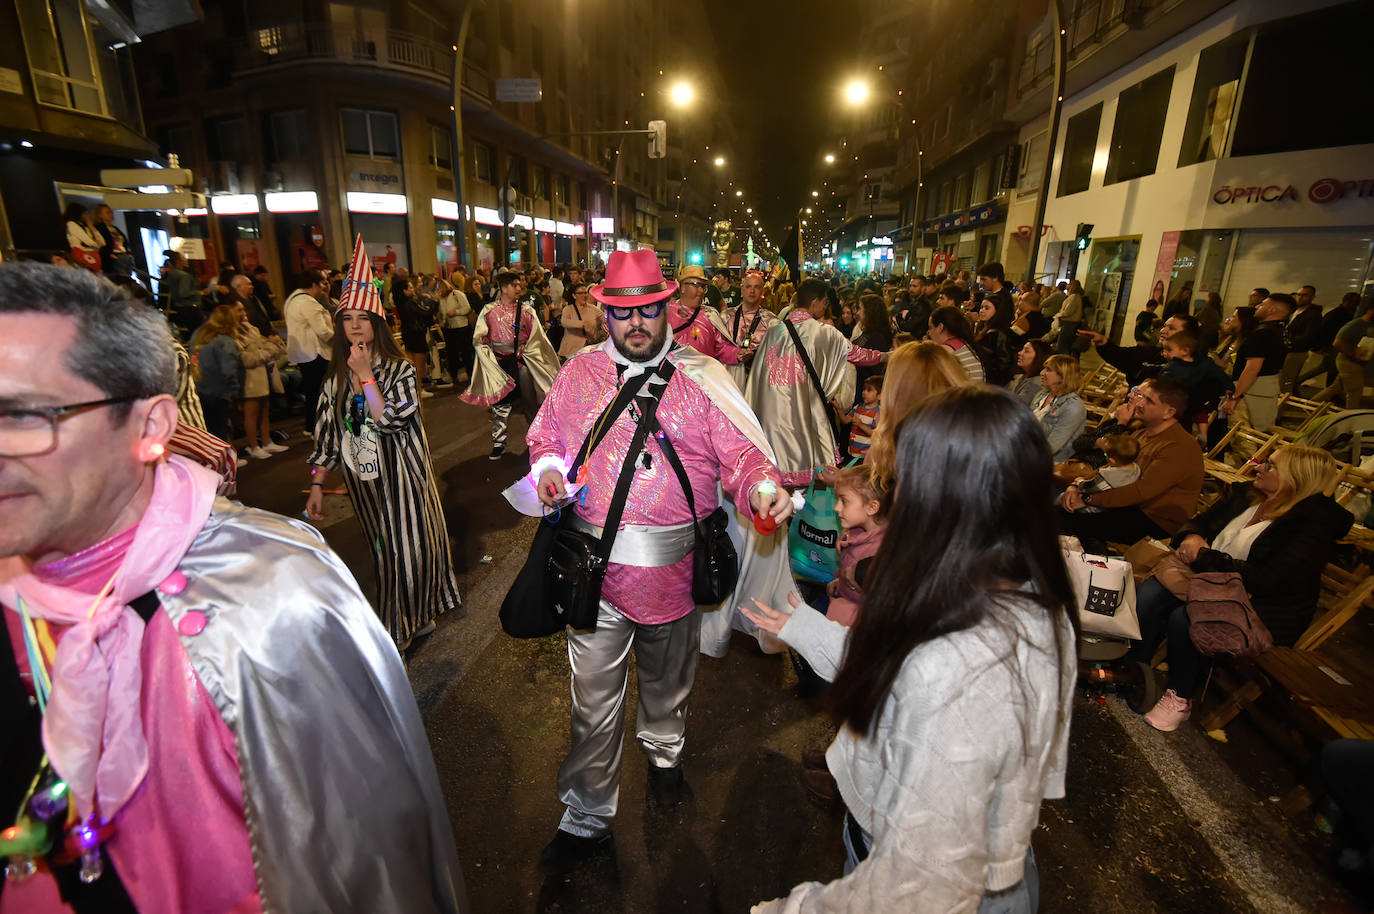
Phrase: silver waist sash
x=645 y=547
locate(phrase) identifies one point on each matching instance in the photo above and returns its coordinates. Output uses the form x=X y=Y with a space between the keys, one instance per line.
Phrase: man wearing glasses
x=695 y=323
x=173 y=665
x=646 y=600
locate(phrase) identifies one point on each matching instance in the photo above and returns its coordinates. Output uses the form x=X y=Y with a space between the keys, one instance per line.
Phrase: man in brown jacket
x=1170 y=480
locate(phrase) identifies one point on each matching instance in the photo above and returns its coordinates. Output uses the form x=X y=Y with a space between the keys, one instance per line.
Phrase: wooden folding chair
x=1354 y=491
x=1295 y=414
x=1230 y=460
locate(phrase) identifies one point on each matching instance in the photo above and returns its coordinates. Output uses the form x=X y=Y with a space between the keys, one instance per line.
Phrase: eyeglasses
x=580 y=292
x=695 y=283
x=31 y=431
x=648 y=312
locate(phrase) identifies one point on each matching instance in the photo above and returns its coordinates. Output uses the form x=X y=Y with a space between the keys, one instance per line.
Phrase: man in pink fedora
x=646 y=600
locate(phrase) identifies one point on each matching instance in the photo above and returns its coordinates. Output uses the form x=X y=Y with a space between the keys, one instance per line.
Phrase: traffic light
x=658 y=140
x=1084 y=236
x=694 y=257
x=518 y=241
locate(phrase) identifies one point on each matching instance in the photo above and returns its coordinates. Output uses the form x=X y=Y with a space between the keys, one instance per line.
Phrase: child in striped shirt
x=863 y=418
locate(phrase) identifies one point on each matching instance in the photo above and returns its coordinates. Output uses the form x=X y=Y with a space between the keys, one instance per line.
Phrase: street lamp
x=682 y=93
x=720 y=160
x=739 y=193
x=856 y=91
x=830 y=158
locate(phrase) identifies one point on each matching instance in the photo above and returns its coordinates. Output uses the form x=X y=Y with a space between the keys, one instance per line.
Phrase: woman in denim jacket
x=1062 y=415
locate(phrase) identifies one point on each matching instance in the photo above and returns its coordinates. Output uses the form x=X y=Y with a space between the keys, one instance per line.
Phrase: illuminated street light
x=815 y=193
x=830 y=158
x=720 y=160
x=682 y=94
x=739 y=193
x=856 y=92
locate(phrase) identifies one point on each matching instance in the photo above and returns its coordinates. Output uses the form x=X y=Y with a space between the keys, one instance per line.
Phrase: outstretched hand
x=768 y=618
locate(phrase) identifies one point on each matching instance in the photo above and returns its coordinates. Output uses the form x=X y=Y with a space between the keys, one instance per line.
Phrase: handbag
x=813 y=540
x=715 y=563
x=1104 y=589
x=1175 y=574
x=1221 y=620
x=560 y=583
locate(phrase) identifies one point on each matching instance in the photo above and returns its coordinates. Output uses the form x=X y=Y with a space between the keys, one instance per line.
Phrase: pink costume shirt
x=701 y=334
x=501 y=327
x=709 y=445
x=181 y=841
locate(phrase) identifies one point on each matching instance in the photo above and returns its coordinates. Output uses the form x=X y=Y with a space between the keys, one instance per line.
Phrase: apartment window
x=507 y=15
x=1214 y=100
x=175 y=139
x=57 y=37
x=560 y=190
x=1309 y=83
x=1080 y=144
x=874 y=192
x=980 y=184
x=370 y=133
x=960 y=192
x=440 y=148
x=227 y=140
x=581 y=196
x=1140 y=113
x=539 y=186
x=537 y=49
x=1031 y=168
x=288 y=135
x=516 y=164
x=945 y=191
x=999 y=181
x=482 y=157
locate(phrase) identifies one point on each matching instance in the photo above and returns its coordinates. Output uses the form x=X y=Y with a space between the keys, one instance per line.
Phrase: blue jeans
x=1162 y=614
x=1022 y=898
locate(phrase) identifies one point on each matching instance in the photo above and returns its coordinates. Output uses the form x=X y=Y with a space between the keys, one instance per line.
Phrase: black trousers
x=1119 y=525
x=458 y=350
x=312 y=379
x=1164 y=615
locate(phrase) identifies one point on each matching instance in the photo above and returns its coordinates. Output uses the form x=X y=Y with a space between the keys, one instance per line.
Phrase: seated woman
x=1061 y=413
x=1029 y=361
x=955 y=689
x=1278 y=532
x=950 y=327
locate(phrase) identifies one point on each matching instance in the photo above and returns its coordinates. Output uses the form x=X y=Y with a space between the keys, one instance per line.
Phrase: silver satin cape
x=342 y=801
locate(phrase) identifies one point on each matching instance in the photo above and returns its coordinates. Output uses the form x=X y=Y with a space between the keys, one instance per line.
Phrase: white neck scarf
x=634 y=369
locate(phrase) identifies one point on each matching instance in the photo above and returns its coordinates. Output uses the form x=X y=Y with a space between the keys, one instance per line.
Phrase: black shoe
x=497 y=452
x=665 y=785
x=567 y=850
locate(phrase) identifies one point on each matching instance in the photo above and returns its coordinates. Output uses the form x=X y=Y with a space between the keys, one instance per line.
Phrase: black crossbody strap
x=815 y=379
x=666 y=443
x=602 y=426
x=611 y=527
x=691 y=320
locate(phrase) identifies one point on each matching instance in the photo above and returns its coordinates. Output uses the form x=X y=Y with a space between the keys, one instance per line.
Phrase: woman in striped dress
x=368 y=425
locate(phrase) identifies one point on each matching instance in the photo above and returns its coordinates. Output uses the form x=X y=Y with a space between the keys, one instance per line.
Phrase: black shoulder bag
x=560 y=583
x=715 y=564
x=815 y=381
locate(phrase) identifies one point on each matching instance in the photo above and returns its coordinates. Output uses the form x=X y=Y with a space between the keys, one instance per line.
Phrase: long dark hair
x=877 y=326
x=951 y=549
x=383 y=344
x=955 y=323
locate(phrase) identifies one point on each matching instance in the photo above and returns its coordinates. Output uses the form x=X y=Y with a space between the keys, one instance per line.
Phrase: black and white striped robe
x=399 y=511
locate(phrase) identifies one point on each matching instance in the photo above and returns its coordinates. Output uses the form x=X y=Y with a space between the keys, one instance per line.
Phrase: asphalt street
x=1152 y=822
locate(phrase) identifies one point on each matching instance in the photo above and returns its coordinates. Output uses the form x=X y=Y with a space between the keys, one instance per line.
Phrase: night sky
x=784 y=63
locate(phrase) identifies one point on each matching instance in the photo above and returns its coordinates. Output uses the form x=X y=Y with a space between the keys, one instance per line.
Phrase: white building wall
x=1181 y=199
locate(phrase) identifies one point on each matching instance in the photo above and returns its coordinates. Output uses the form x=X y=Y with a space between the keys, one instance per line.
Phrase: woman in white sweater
x=953 y=688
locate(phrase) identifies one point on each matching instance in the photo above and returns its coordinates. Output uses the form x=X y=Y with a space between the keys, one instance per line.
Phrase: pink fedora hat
x=633 y=278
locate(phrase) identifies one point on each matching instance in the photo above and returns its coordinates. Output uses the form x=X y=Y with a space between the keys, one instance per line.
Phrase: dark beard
x=655 y=344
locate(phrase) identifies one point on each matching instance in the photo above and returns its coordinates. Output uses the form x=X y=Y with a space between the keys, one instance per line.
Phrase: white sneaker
x=426 y=394
x=258 y=453
x=274 y=448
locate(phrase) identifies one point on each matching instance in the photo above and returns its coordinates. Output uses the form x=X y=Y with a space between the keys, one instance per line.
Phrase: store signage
x=518 y=90
x=234 y=204
x=545 y=225
x=386 y=204
x=982 y=214
x=524 y=222
x=603 y=225
x=567 y=228
x=375 y=178
x=316 y=236
x=294 y=201
x=1024 y=231
x=1322 y=190
x=882 y=241
x=443 y=209
x=486 y=215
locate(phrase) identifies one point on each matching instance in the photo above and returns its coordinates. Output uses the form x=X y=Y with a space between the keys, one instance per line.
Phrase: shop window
x=370 y=133
x=1213 y=102
x=440 y=148
x=1080 y=145
x=288 y=135
x=1140 y=113
x=1306 y=87
x=57 y=37
x=482 y=157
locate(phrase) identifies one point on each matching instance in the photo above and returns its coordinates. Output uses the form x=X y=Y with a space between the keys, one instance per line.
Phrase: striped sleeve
x=399 y=389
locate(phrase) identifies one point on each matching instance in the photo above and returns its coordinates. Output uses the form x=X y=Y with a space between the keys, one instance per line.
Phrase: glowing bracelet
x=767 y=487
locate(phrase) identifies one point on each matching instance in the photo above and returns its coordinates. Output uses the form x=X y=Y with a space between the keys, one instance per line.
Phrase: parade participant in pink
x=187 y=686
x=695 y=323
x=515 y=361
x=646 y=601
x=781 y=392
x=747 y=323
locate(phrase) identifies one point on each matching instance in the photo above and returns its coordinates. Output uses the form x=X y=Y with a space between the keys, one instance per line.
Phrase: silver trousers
x=666 y=658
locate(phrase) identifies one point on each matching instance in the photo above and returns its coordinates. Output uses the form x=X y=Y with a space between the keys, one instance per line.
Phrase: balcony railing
x=385 y=48
x=1088 y=23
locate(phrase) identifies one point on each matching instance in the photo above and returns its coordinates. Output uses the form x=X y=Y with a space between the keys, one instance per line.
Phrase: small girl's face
x=852 y=510
x=871 y=395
